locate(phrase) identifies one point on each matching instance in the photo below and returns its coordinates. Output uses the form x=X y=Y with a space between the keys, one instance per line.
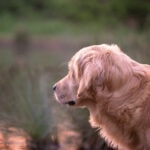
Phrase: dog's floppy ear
x=105 y=72
x=91 y=77
x=117 y=69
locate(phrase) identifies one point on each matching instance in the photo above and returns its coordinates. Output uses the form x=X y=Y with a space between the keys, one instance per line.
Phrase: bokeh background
x=37 y=39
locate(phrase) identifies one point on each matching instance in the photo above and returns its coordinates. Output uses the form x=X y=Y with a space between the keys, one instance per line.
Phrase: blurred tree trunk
x=21 y=45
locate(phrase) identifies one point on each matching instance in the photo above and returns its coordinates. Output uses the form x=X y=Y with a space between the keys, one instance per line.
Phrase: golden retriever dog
x=116 y=91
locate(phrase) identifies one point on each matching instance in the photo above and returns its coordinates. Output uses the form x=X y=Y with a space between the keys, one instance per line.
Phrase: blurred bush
x=25 y=105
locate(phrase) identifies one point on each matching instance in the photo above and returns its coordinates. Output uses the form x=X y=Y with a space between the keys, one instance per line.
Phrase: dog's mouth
x=71 y=103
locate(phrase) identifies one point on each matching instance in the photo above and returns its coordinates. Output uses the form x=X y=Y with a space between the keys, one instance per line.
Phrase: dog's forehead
x=88 y=53
x=83 y=53
x=95 y=49
x=80 y=57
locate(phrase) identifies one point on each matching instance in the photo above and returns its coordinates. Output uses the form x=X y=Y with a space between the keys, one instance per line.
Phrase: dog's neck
x=127 y=102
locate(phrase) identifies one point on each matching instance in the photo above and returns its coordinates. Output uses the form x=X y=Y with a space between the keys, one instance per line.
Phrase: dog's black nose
x=54 y=87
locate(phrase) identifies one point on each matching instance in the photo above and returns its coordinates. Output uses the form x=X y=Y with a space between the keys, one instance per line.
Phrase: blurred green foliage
x=76 y=10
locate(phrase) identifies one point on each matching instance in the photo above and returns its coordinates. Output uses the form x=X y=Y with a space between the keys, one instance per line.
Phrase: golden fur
x=115 y=89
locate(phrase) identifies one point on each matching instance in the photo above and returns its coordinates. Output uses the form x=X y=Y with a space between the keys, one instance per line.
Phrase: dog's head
x=95 y=71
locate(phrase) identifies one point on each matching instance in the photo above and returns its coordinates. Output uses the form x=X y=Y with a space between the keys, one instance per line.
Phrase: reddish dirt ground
x=12 y=142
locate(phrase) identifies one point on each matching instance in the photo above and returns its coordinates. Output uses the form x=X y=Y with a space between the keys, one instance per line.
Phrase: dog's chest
x=108 y=130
